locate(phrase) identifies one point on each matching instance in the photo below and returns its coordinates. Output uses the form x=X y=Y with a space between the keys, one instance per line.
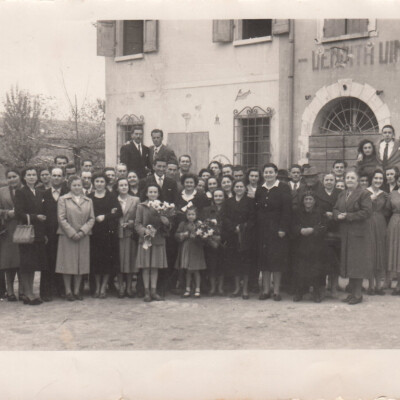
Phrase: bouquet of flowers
x=163 y=208
x=148 y=237
x=208 y=231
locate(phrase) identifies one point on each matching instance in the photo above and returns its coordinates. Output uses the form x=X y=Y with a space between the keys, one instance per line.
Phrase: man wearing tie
x=159 y=150
x=87 y=186
x=388 y=149
x=49 y=281
x=295 y=183
x=135 y=155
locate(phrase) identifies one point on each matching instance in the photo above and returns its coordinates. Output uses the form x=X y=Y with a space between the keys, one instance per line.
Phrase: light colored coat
x=74 y=257
x=356 y=256
x=129 y=214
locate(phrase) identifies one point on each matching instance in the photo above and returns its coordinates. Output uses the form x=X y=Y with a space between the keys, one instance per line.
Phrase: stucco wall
x=191 y=74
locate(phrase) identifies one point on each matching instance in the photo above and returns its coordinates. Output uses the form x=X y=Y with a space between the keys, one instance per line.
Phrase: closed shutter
x=222 y=30
x=106 y=38
x=357 y=26
x=150 y=36
x=334 y=27
x=280 y=26
x=133 y=37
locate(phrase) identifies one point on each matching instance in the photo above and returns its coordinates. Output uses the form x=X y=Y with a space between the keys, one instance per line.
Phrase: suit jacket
x=164 y=152
x=393 y=157
x=50 y=211
x=129 y=214
x=135 y=161
x=28 y=203
x=169 y=190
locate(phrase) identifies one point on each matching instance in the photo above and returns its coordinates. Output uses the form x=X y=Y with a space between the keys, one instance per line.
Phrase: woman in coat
x=76 y=220
x=353 y=210
x=127 y=237
x=238 y=225
x=273 y=207
x=152 y=230
x=29 y=207
x=9 y=251
x=367 y=161
x=104 y=242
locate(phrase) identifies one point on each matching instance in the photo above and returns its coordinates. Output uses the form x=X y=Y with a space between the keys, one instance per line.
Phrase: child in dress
x=191 y=252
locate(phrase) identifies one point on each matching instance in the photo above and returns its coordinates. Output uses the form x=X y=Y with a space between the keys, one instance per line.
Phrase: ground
x=200 y=324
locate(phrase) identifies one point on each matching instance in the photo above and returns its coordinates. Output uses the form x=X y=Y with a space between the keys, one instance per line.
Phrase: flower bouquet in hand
x=163 y=208
x=149 y=235
x=208 y=231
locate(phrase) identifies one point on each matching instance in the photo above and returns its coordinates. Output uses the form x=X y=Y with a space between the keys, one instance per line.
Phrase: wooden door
x=196 y=144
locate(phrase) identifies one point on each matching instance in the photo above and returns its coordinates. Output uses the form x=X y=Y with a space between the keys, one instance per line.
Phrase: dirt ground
x=200 y=324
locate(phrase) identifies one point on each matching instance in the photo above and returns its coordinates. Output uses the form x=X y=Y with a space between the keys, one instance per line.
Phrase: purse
x=24 y=234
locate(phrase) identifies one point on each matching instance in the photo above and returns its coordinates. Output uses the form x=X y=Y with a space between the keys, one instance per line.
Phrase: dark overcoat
x=135 y=161
x=355 y=233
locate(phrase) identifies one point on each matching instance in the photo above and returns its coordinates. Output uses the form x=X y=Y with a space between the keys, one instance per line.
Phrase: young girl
x=191 y=252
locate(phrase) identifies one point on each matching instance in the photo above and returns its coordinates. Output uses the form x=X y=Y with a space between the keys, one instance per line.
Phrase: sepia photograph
x=198 y=192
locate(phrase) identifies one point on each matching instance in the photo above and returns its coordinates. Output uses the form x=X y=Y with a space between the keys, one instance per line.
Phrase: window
x=255 y=28
x=341 y=29
x=132 y=37
x=252 y=137
x=348 y=115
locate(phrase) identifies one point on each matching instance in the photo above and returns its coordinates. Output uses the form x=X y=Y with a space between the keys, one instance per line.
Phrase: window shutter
x=280 y=26
x=222 y=30
x=150 y=42
x=334 y=27
x=357 y=26
x=106 y=38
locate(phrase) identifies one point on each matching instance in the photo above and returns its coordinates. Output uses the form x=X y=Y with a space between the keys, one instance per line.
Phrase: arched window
x=348 y=115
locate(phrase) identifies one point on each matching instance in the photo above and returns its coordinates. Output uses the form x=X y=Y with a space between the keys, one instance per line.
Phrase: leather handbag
x=24 y=234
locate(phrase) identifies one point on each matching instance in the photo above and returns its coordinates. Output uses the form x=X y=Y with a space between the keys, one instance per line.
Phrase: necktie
x=160 y=181
x=386 y=153
x=155 y=152
x=140 y=148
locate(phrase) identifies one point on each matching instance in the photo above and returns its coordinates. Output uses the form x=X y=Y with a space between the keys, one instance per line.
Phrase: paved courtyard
x=200 y=324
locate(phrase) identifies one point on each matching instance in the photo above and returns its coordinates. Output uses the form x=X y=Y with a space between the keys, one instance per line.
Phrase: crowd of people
x=152 y=227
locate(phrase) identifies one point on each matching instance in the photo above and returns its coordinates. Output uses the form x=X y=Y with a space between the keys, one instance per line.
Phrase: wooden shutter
x=133 y=37
x=106 y=38
x=222 y=30
x=150 y=42
x=334 y=27
x=280 y=26
x=357 y=26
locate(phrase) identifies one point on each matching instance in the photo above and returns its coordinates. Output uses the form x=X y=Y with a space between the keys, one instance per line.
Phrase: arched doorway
x=337 y=119
x=339 y=127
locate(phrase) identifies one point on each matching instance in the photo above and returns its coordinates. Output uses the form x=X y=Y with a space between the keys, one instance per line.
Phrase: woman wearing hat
x=353 y=210
x=273 y=207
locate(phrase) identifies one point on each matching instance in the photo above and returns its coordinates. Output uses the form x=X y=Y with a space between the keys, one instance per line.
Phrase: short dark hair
x=87 y=160
x=172 y=161
x=339 y=162
x=389 y=126
x=189 y=176
x=157 y=131
x=396 y=171
x=117 y=182
x=99 y=174
x=364 y=174
x=26 y=169
x=136 y=128
x=378 y=171
x=221 y=190
x=161 y=159
x=270 y=165
x=204 y=170
x=218 y=183
x=249 y=171
x=215 y=162
x=230 y=177
x=361 y=145
x=13 y=169
x=228 y=166
x=108 y=169
x=44 y=168
x=239 y=181
x=238 y=168
x=61 y=156
x=295 y=166
x=144 y=193
x=185 y=155
x=70 y=165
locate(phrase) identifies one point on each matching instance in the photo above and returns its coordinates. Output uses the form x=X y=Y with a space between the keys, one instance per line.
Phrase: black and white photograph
x=217 y=191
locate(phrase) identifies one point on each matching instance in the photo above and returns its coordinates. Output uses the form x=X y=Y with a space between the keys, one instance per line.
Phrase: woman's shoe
x=156 y=297
x=234 y=294
x=277 y=297
x=371 y=292
x=69 y=297
x=35 y=302
x=78 y=297
x=22 y=297
x=13 y=297
x=186 y=294
x=147 y=298
x=245 y=296
x=264 y=296
x=355 y=300
x=131 y=295
x=347 y=299
x=197 y=294
x=121 y=295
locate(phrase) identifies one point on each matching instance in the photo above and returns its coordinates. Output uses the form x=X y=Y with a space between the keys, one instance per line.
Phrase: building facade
x=346 y=75
x=219 y=89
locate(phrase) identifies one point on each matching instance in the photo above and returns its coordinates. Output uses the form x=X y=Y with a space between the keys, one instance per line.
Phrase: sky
x=39 y=47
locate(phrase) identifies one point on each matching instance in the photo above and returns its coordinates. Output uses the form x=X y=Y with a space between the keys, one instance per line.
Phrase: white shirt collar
x=276 y=184
x=190 y=197
x=372 y=191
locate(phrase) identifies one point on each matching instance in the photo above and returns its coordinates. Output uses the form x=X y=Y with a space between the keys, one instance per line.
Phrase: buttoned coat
x=135 y=161
x=165 y=152
x=74 y=257
x=129 y=214
x=355 y=233
x=169 y=190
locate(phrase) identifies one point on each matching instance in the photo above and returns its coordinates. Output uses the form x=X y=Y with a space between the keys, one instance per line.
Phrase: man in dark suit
x=295 y=183
x=159 y=150
x=388 y=149
x=135 y=155
x=169 y=188
x=50 y=282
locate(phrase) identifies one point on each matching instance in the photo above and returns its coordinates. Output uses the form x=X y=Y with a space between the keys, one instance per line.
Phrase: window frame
x=127 y=120
x=238 y=32
x=119 y=50
x=372 y=32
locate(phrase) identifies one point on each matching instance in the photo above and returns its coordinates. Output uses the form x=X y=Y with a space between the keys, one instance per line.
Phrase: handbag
x=24 y=234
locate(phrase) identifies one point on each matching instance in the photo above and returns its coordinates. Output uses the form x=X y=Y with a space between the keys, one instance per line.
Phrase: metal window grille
x=125 y=126
x=252 y=136
x=350 y=115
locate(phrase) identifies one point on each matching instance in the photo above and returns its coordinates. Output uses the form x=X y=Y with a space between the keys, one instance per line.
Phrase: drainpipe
x=291 y=92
